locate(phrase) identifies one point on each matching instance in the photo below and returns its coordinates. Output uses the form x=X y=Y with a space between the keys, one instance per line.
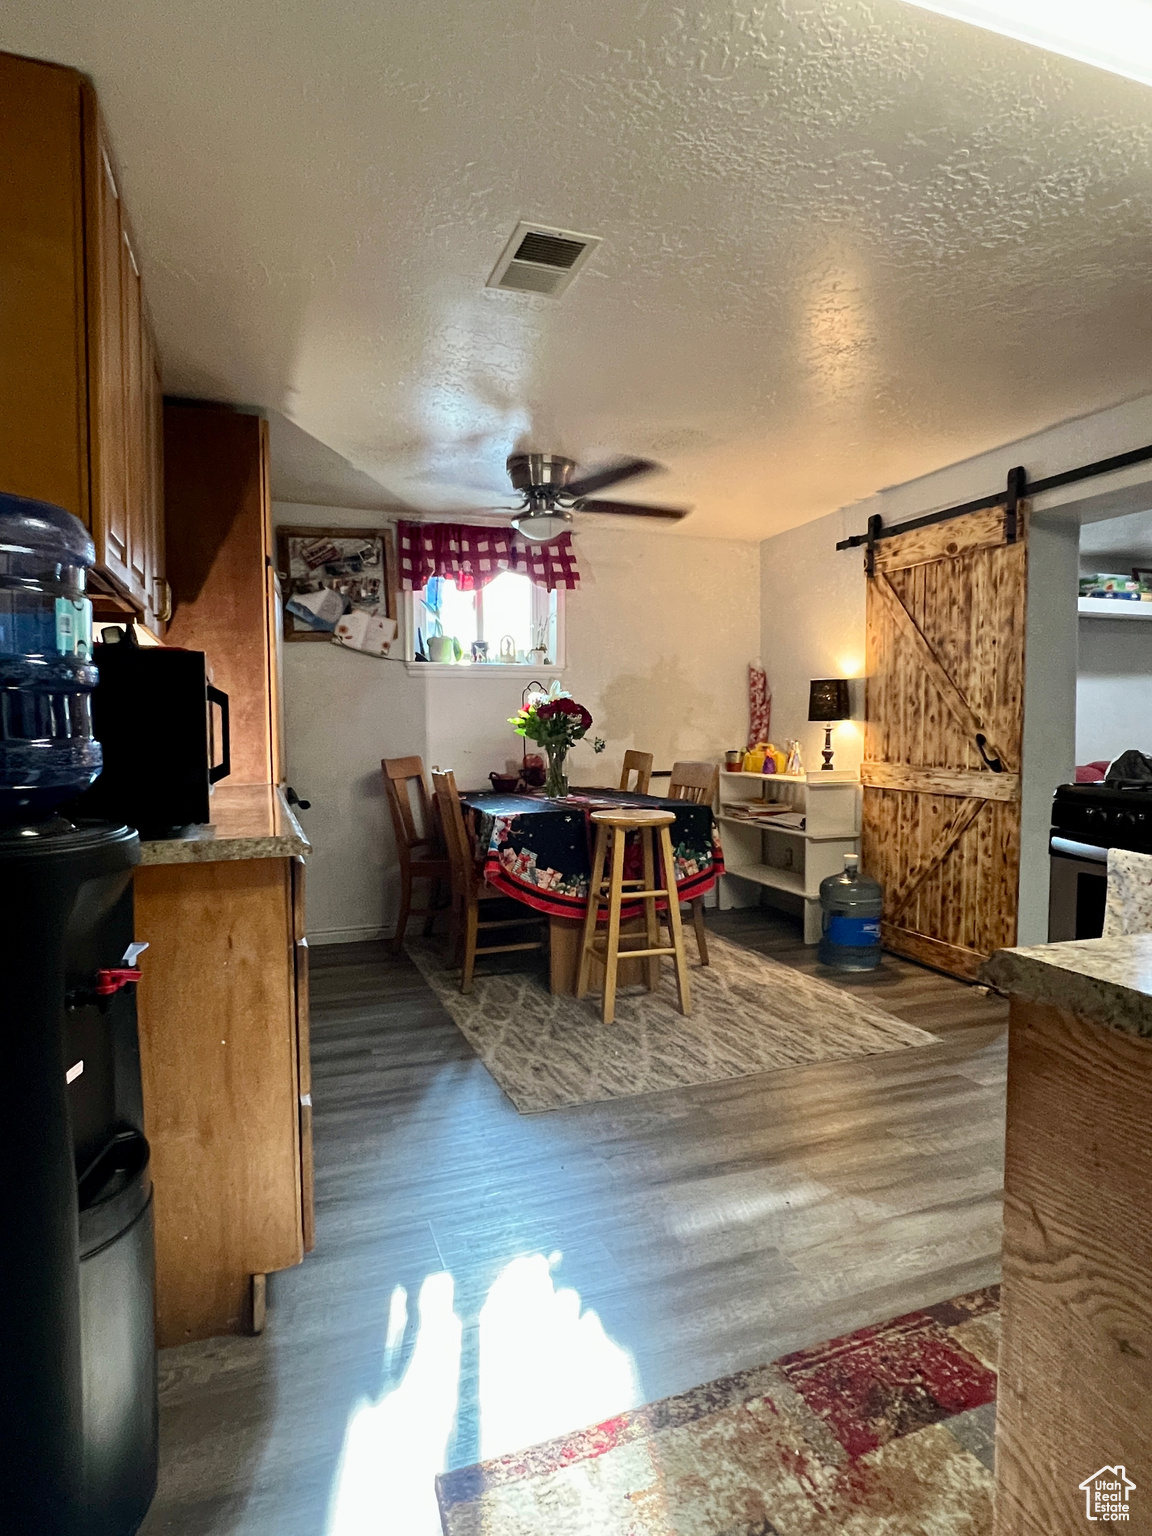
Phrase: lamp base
x=826 y=753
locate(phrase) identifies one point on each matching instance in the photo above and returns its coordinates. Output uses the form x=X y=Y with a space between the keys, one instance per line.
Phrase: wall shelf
x=766 y=824
x=1112 y=608
x=789 y=861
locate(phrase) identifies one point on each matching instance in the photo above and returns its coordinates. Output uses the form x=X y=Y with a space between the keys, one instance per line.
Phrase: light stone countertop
x=249 y=821
x=1106 y=980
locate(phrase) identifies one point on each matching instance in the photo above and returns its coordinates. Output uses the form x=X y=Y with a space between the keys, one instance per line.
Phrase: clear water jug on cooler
x=850 y=908
x=47 y=751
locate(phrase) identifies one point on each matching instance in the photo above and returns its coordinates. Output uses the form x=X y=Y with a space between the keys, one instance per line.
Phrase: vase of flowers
x=555 y=722
x=556 y=780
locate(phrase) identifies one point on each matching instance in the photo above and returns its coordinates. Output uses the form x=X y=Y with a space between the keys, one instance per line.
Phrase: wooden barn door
x=945 y=707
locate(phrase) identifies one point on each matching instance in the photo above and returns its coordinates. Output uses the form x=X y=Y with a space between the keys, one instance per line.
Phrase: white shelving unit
x=784 y=860
x=1112 y=608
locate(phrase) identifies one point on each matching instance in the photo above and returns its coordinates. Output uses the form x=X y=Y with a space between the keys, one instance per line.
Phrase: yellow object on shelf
x=754 y=760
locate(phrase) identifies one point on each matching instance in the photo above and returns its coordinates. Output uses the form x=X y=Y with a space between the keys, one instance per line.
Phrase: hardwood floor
x=707 y=1230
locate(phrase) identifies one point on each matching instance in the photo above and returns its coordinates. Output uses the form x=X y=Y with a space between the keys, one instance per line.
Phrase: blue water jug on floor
x=48 y=754
x=850 y=908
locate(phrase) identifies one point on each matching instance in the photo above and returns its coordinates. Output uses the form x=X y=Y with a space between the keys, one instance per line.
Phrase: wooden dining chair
x=639 y=763
x=699 y=783
x=469 y=890
x=419 y=845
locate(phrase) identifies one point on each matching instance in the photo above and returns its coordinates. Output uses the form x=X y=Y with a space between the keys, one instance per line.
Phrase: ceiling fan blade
x=632 y=509
x=611 y=474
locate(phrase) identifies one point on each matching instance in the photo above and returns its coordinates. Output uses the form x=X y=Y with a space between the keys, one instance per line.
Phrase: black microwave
x=154 y=713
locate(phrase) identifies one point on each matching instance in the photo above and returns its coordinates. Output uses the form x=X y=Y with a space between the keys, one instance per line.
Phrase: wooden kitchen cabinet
x=219 y=543
x=79 y=376
x=223 y=1016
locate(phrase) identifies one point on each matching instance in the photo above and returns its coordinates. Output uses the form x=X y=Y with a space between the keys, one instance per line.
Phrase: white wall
x=1049 y=707
x=812 y=601
x=1114 y=688
x=659 y=636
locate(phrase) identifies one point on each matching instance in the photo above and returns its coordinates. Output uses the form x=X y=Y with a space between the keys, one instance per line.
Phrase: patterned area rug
x=886 y=1432
x=749 y=1014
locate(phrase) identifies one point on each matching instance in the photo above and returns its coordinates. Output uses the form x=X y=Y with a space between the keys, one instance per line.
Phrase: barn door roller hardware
x=1017 y=488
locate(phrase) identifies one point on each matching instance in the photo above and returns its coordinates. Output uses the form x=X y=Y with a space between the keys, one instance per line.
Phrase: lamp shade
x=828 y=699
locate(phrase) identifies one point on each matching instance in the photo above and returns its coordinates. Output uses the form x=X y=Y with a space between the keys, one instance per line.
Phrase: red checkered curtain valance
x=473 y=556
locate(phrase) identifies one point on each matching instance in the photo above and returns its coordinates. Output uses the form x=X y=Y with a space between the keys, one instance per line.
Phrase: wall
x=1049 y=707
x=1114 y=685
x=1114 y=688
x=812 y=601
x=659 y=637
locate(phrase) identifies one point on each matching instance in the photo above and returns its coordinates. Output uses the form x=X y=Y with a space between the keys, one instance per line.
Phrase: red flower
x=553 y=707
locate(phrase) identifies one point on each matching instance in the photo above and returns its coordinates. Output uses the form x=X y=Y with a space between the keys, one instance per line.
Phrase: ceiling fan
x=550 y=495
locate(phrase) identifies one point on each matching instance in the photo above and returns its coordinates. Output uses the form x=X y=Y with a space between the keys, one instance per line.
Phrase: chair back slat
x=697 y=782
x=455 y=832
x=404 y=776
x=639 y=763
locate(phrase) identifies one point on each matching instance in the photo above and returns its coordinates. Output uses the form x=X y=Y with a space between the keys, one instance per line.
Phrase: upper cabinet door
x=43 y=406
x=80 y=411
x=135 y=451
x=159 y=605
x=107 y=354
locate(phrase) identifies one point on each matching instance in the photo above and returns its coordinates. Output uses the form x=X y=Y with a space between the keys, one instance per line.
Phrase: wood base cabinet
x=80 y=395
x=1075 y=1393
x=223 y=1008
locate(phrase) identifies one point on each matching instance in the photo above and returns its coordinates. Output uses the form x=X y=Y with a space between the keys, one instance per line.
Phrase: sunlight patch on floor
x=394 y=1448
x=546 y=1367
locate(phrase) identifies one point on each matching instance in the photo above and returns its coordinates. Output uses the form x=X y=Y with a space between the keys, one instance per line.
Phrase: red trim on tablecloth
x=557 y=904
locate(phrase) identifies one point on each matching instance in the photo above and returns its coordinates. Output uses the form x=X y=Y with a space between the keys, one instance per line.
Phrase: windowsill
x=482 y=669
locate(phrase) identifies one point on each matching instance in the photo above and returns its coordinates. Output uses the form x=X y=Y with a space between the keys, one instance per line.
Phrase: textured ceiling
x=845 y=241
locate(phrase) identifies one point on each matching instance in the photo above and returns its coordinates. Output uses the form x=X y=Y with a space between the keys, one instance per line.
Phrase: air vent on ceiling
x=538 y=259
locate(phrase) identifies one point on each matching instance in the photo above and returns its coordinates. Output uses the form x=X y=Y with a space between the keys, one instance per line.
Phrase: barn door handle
x=993 y=763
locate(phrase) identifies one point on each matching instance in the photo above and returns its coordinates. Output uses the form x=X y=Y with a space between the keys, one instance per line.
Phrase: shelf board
x=817 y=778
x=765 y=824
x=1109 y=608
x=791 y=880
x=783 y=778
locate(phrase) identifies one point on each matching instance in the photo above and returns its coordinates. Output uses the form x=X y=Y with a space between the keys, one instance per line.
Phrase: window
x=501 y=623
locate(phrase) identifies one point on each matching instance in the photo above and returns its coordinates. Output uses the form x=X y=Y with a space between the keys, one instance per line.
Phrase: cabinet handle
x=164 y=592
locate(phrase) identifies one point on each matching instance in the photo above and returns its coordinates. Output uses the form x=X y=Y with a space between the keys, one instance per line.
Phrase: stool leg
x=652 y=964
x=612 y=957
x=674 y=926
x=589 y=932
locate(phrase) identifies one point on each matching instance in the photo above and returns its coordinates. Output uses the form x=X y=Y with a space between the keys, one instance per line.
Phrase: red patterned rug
x=885 y=1432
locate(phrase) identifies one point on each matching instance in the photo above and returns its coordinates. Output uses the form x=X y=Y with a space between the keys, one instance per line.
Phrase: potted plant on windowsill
x=555 y=722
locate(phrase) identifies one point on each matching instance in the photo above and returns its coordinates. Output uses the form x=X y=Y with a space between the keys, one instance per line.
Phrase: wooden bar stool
x=614 y=826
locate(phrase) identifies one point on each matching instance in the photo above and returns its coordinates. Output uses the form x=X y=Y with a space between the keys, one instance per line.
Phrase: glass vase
x=556 y=784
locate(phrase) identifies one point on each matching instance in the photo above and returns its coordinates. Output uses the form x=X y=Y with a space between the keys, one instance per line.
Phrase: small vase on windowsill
x=556 y=784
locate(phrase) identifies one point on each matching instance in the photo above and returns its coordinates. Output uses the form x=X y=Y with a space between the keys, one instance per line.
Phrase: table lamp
x=828 y=701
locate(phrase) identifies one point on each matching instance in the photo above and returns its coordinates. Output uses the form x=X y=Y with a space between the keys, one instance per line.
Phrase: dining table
x=539 y=851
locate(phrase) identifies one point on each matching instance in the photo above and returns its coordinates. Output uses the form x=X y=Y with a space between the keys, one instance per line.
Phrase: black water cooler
x=78 y=1415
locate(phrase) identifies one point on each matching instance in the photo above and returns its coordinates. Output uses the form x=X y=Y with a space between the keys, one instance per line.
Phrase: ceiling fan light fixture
x=542 y=527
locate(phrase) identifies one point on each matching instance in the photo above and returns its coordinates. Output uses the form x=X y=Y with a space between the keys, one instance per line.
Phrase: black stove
x=1087 y=820
x=1104 y=817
